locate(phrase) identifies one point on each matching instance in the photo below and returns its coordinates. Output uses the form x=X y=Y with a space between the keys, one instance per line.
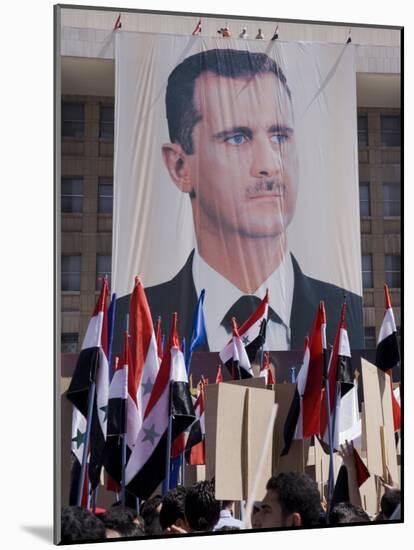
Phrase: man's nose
x=266 y=158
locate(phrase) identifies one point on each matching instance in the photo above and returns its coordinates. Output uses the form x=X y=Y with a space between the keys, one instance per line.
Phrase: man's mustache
x=266 y=187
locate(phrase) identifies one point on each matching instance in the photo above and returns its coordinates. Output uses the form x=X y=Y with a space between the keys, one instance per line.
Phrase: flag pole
x=91 y=401
x=124 y=447
x=169 y=438
x=328 y=412
x=182 y=465
x=111 y=327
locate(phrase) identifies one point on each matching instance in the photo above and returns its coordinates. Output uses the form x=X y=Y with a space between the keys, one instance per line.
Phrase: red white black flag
x=343 y=392
x=170 y=396
x=303 y=419
x=388 y=354
x=235 y=358
x=92 y=366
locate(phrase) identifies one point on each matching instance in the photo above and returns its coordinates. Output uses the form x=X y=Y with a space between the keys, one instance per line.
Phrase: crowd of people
x=292 y=500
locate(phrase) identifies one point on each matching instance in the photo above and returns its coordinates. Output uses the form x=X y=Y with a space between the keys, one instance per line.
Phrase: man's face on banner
x=244 y=169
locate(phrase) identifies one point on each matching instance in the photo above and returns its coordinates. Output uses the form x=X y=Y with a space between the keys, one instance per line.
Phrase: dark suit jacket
x=179 y=295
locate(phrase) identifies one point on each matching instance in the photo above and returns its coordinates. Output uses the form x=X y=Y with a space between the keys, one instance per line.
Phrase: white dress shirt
x=227 y=520
x=221 y=294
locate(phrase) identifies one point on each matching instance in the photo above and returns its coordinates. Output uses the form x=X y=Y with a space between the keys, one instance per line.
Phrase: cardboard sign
x=295 y=460
x=379 y=424
x=236 y=417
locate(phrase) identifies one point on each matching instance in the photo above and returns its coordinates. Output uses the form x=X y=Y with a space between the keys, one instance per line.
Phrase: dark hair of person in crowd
x=345 y=512
x=202 y=510
x=297 y=493
x=122 y=519
x=182 y=114
x=172 y=510
x=227 y=528
x=150 y=513
x=79 y=524
x=389 y=502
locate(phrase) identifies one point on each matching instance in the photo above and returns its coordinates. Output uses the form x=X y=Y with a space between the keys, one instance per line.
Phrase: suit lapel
x=303 y=307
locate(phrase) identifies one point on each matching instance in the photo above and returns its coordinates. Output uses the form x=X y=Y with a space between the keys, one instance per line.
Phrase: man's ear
x=296 y=520
x=175 y=160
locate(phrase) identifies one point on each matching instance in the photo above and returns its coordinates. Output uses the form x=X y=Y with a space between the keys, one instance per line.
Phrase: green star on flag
x=150 y=434
x=79 y=438
x=104 y=410
x=147 y=386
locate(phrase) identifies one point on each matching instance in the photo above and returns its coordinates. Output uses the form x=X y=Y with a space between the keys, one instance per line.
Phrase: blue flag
x=198 y=331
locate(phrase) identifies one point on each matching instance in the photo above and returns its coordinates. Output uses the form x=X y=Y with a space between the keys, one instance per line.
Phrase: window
x=392 y=199
x=73 y=120
x=103 y=267
x=391 y=130
x=71 y=270
x=364 y=199
x=69 y=342
x=105 y=195
x=72 y=194
x=367 y=279
x=362 y=123
x=106 y=122
x=369 y=338
x=393 y=270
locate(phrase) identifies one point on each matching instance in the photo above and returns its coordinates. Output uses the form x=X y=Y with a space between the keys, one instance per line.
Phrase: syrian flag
x=251 y=328
x=191 y=441
x=197 y=29
x=117 y=418
x=235 y=358
x=170 y=396
x=388 y=354
x=266 y=371
x=303 y=419
x=144 y=363
x=343 y=392
x=77 y=446
x=92 y=366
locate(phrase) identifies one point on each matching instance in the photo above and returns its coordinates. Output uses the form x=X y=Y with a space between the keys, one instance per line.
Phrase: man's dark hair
x=227 y=528
x=151 y=516
x=172 y=507
x=389 y=502
x=345 y=512
x=182 y=115
x=298 y=493
x=202 y=510
x=121 y=519
x=79 y=524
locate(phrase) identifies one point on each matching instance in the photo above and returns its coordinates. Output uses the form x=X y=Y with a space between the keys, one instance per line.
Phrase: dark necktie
x=242 y=309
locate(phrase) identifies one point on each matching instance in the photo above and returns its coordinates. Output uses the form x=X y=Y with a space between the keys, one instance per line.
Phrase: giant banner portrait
x=236 y=172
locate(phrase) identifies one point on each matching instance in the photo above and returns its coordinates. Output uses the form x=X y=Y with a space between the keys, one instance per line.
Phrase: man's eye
x=236 y=139
x=279 y=137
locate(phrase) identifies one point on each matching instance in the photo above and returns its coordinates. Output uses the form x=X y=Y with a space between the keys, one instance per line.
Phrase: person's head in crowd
x=389 y=502
x=292 y=500
x=150 y=513
x=79 y=524
x=202 y=510
x=172 y=509
x=345 y=512
x=121 y=521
